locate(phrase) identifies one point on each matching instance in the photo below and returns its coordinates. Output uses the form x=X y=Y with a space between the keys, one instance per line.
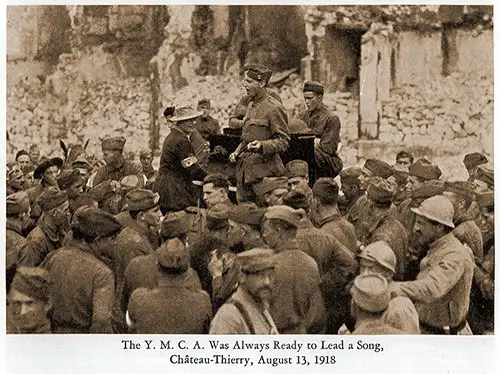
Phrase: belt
x=446 y=330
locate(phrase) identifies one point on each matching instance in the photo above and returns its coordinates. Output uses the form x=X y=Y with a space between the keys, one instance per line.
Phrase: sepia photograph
x=249 y=169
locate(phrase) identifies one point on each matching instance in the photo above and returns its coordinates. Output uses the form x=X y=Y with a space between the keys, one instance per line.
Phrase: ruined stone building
x=397 y=75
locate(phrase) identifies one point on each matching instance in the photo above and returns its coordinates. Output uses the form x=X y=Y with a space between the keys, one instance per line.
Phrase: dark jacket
x=169 y=309
x=324 y=125
x=14 y=240
x=83 y=291
x=267 y=121
x=331 y=222
x=177 y=171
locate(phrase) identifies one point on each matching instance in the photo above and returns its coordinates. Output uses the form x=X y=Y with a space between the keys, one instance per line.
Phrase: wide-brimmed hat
x=184 y=114
x=55 y=161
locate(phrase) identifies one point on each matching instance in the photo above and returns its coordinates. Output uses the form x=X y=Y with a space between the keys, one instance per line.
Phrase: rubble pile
x=101 y=109
x=455 y=112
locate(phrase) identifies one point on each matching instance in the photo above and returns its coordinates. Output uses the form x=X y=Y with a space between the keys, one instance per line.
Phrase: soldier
x=471 y=162
x=206 y=124
x=484 y=180
x=370 y=299
x=146 y=159
x=265 y=135
x=442 y=289
x=351 y=189
x=23 y=160
x=482 y=310
x=29 y=302
x=17 y=207
x=139 y=237
x=84 y=168
x=116 y=166
x=142 y=270
x=247 y=311
x=326 y=127
x=296 y=303
x=70 y=181
x=47 y=173
x=52 y=226
x=379 y=258
x=420 y=171
x=15 y=180
x=461 y=195
x=297 y=172
x=404 y=160
x=244 y=227
x=380 y=222
x=216 y=190
x=336 y=263
x=108 y=197
x=83 y=284
x=326 y=215
x=170 y=307
x=179 y=166
x=270 y=191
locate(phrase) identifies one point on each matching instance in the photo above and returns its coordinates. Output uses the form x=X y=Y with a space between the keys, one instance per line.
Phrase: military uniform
x=107 y=173
x=266 y=122
x=402 y=314
x=83 y=291
x=178 y=168
x=442 y=289
x=39 y=243
x=14 y=240
x=332 y=223
x=326 y=127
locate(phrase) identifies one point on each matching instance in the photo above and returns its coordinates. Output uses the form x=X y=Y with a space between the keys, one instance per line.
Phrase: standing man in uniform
x=179 y=166
x=326 y=128
x=247 y=311
x=265 y=135
x=116 y=166
x=442 y=289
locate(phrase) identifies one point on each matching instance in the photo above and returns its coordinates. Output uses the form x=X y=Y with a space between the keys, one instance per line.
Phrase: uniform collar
x=442 y=242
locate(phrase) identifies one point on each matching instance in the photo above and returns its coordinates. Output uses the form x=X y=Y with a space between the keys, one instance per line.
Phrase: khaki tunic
x=442 y=289
x=229 y=319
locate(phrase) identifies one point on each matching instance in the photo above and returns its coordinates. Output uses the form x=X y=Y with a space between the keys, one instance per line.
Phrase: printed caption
x=246 y=353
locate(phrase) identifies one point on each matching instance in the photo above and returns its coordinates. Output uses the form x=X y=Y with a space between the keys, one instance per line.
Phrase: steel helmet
x=438 y=209
x=380 y=253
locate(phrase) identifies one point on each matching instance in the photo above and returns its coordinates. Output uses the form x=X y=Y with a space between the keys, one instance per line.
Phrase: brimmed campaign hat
x=185 y=113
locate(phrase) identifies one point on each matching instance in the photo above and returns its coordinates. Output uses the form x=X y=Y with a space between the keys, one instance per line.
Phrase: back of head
x=370 y=293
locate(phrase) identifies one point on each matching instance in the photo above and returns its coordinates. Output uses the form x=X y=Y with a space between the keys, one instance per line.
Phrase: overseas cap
x=18 y=203
x=141 y=199
x=438 y=209
x=326 y=190
x=115 y=143
x=33 y=282
x=371 y=293
x=173 y=255
x=312 y=86
x=247 y=213
x=350 y=175
x=379 y=168
x=175 y=224
x=472 y=160
x=380 y=190
x=486 y=175
x=258 y=72
x=93 y=223
x=270 y=184
x=67 y=178
x=50 y=198
x=283 y=213
x=379 y=252
x=424 y=169
x=297 y=168
x=256 y=259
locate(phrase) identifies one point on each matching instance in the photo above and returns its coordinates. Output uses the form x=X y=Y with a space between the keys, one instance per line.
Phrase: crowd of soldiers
x=115 y=246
